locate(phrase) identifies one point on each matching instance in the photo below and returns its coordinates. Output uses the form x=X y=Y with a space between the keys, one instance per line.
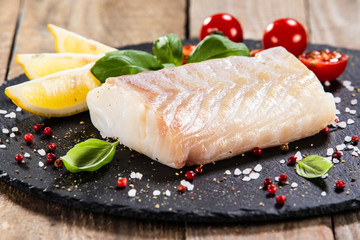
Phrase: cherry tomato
x=288 y=33
x=225 y=23
x=327 y=65
x=187 y=49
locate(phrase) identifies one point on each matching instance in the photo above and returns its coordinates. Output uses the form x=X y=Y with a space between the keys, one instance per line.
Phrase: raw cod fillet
x=203 y=112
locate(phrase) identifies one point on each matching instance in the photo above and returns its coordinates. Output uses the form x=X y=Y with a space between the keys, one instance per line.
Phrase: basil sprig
x=124 y=62
x=313 y=166
x=89 y=155
x=217 y=46
x=168 y=53
x=168 y=50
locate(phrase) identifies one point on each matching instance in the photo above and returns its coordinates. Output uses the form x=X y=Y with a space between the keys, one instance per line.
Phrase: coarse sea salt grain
x=18 y=109
x=132 y=193
x=254 y=175
x=2 y=146
x=12 y=135
x=294 y=185
x=340 y=147
x=227 y=172
x=346 y=83
x=337 y=99
x=350 y=146
x=353 y=101
x=350 y=121
x=156 y=192
x=15 y=129
x=325 y=175
x=335 y=160
x=246 y=171
x=282 y=161
x=329 y=151
x=5 y=130
x=190 y=187
x=327 y=83
x=298 y=156
x=347 y=109
x=3 y=111
x=337 y=112
x=10 y=115
x=237 y=172
x=347 y=139
x=277 y=179
x=27 y=155
x=187 y=184
x=246 y=179
x=138 y=175
x=258 y=168
x=323 y=193
x=167 y=193
x=342 y=124
x=132 y=175
x=41 y=152
x=41 y=164
x=352 y=112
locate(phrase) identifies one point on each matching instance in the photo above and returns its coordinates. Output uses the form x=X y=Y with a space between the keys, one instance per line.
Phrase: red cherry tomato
x=288 y=33
x=187 y=49
x=225 y=23
x=327 y=65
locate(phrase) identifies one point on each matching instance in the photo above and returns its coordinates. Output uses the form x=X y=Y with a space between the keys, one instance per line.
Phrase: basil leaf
x=124 y=62
x=217 y=46
x=89 y=155
x=168 y=49
x=313 y=166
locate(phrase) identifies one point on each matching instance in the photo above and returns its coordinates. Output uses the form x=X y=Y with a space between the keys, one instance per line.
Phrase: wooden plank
x=8 y=19
x=26 y=217
x=253 y=15
x=315 y=228
x=335 y=22
x=347 y=226
x=112 y=22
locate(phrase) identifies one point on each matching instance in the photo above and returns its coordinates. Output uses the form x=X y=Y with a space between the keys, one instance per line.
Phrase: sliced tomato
x=253 y=52
x=187 y=49
x=327 y=65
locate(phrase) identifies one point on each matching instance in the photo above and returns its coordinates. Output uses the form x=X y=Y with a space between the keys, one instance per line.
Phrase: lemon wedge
x=56 y=95
x=40 y=65
x=67 y=41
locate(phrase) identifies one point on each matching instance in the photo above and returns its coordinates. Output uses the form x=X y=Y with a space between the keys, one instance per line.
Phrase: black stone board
x=216 y=197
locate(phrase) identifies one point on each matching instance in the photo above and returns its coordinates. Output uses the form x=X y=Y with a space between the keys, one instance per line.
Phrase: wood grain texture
x=314 y=228
x=26 y=217
x=112 y=22
x=8 y=19
x=253 y=15
x=347 y=226
x=335 y=22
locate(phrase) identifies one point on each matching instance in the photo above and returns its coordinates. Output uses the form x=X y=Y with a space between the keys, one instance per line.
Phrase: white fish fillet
x=216 y=109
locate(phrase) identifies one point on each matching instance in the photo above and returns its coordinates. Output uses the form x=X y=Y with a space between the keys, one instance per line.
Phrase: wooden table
x=117 y=23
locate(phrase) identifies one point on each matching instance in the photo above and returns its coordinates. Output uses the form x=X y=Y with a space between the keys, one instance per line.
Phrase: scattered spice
x=282 y=178
x=50 y=158
x=181 y=188
x=199 y=170
x=340 y=184
x=28 y=138
x=48 y=131
x=267 y=182
x=292 y=160
x=284 y=147
x=122 y=182
x=37 y=127
x=19 y=157
x=58 y=163
x=256 y=151
x=271 y=188
x=189 y=175
x=280 y=199
x=52 y=146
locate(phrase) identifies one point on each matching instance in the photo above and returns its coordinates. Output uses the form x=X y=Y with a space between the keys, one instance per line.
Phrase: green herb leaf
x=217 y=46
x=313 y=166
x=89 y=155
x=124 y=62
x=168 y=49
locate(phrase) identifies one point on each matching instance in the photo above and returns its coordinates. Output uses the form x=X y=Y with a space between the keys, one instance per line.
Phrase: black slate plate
x=216 y=196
